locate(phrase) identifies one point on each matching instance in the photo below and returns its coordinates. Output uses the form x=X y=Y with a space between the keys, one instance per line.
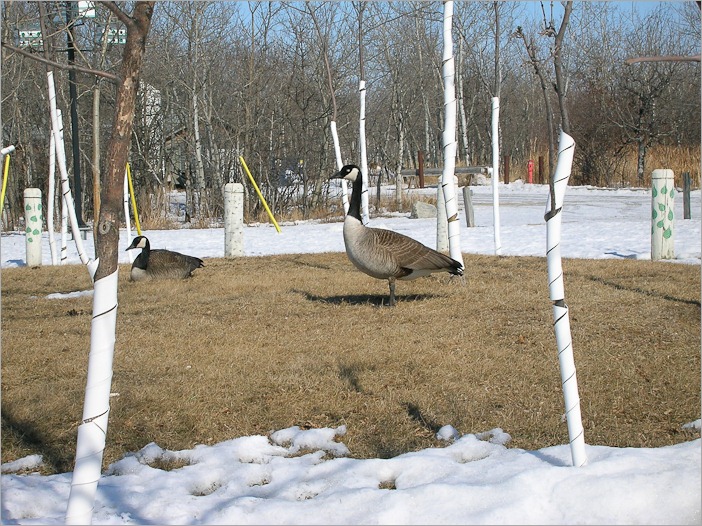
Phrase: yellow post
x=6 y=172
x=265 y=205
x=131 y=193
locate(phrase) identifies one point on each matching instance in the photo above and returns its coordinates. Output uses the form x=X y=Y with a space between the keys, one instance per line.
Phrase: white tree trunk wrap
x=32 y=226
x=50 y=200
x=96 y=407
x=199 y=166
x=442 y=240
x=561 y=325
x=662 y=214
x=496 y=173
x=64 y=230
x=448 y=179
x=364 y=155
x=339 y=165
x=233 y=220
x=57 y=129
x=399 y=181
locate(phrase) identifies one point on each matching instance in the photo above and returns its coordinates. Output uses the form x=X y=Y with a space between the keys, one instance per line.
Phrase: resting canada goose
x=159 y=263
x=385 y=254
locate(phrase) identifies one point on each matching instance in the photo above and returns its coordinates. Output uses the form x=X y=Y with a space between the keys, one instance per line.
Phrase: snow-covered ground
x=597 y=223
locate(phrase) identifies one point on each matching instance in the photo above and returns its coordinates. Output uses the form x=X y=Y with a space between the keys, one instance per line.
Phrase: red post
x=420 y=163
x=530 y=171
x=506 y=169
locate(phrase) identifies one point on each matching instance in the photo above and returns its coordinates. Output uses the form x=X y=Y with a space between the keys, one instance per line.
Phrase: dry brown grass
x=252 y=345
x=677 y=158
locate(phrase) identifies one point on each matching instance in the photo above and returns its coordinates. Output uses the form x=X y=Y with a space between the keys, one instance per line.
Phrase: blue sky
x=532 y=9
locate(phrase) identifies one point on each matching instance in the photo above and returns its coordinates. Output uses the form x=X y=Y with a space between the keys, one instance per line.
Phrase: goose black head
x=350 y=172
x=138 y=242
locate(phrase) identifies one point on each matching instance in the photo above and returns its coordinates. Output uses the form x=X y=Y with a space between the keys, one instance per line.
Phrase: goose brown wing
x=167 y=263
x=411 y=255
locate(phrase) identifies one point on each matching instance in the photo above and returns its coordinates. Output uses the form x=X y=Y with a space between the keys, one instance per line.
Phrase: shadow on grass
x=416 y=414
x=379 y=300
x=349 y=373
x=298 y=260
x=25 y=433
x=666 y=297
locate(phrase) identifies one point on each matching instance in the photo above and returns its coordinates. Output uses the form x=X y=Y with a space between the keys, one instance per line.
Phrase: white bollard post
x=662 y=214
x=33 y=222
x=233 y=220
x=468 y=206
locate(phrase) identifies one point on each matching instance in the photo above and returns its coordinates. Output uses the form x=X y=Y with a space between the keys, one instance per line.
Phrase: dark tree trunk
x=640 y=160
x=561 y=84
x=118 y=146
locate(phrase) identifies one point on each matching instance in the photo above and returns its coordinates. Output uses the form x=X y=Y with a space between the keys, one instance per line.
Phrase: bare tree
x=561 y=83
x=638 y=112
x=537 y=65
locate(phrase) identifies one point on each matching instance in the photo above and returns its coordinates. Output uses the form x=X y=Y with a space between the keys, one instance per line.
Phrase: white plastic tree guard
x=448 y=176
x=233 y=220
x=442 y=235
x=662 y=214
x=96 y=406
x=33 y=222
x=57 y=130
x=52 y=199
x=339 y=165
x=365 y=213
x=569 y=382
x=496 y=173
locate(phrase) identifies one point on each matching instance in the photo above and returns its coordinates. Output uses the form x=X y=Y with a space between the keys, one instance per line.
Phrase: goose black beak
x=337 y=175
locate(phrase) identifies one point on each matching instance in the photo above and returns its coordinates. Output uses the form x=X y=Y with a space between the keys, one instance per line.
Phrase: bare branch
x=325 y=52
x=123 y=17
x=664 y=58
x=38 y=58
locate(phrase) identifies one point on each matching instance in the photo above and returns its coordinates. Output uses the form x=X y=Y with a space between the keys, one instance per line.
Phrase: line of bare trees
x=224 y=79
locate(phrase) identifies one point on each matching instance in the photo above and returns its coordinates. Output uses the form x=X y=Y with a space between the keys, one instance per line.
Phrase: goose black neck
x=142 y=260
x=355 y=203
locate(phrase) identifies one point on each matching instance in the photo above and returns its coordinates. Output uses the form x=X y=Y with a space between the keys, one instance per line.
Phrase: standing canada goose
x=385 y=254
x=159 y=263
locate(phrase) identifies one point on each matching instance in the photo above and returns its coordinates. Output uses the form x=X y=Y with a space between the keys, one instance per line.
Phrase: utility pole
x=73 y=91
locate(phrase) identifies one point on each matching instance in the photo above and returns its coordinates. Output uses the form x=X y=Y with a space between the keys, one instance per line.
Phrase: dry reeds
x=622 y=170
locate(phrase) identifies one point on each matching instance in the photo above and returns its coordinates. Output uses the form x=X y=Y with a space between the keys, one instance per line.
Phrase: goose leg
x=391 y=282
